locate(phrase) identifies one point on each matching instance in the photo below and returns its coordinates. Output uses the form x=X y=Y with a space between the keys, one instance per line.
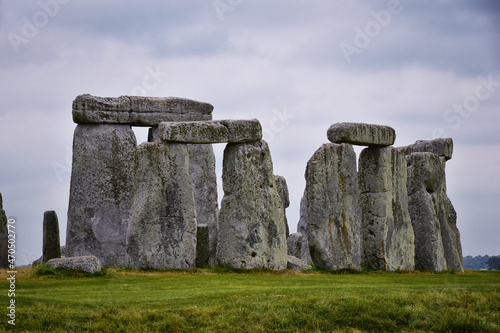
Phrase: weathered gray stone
x=437 y=240
x=89 y=264
x=4 y=238
x=51 y=242
x=204 y=182
x=193 y=132
x=302 y=228
x=333 y=211
x=388 y=240
x=441 y=147
x=153 y=134
x=251 y=220
x=285 y=197
x=242 y=130
x=294 y=244
x=101 y=192
x=296 y=264
x=362 y=134
x=202 y=246
x=162 y=227
x=137 y=110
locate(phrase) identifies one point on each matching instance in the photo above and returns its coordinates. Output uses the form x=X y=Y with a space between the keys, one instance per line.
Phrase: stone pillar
x=333 y=212
x=388 y=240
x=251 y=219
x=162 y=227
x=305 y=255
x=51 y=242
x=4 y=238
x=285 y=197
x=101 y=192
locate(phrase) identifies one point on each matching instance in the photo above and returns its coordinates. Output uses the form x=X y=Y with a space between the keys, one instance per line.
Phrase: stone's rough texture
x=302 y=229
x=202 y=246
x=333 y=212
x=204 y=182
x=251 y=220
x=296 y=264
x=153 y=135
x=440 y=147
x=193 y=132
x=102 y=182
x=137 y=111
x=89 y=264
x=294 y=244
x=285 y=197
x=51 y=242
x=162 y=228
x=388 y=241
x=243 y=130
x=4 y=238
x=437 y=239
x=215 y=131
x=362 y=134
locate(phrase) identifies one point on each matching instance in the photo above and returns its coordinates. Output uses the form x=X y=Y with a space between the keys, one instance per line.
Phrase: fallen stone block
x=137 y=110
x=88 y=264
x=296 y=264
x=362 y=134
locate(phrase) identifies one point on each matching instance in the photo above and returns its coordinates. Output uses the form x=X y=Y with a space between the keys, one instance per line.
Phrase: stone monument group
x=155 y=205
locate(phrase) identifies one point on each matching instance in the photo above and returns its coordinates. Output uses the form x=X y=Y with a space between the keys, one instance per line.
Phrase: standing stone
x=333 y=212
x=251 y=219
x=202 y=246
x=51 y=242
x=294 y=244
x=285 y=197
x=4 y=238
x=101 y=190
x=441 y=147
x=305 y=255
x=162 y=228
x=388 y=241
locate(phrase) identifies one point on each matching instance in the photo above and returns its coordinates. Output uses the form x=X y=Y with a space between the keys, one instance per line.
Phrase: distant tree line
x=482 y=262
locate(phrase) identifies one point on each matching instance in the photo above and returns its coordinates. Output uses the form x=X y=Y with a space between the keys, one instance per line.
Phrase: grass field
x=215 y=300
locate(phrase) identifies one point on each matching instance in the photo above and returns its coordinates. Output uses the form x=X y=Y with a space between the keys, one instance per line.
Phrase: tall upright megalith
x=388 y=240
x=51 y=241
x=333 y=212
x=4 y=238
x=251 y=217
x=285 y=197
x=162 y=229
x=102 y=181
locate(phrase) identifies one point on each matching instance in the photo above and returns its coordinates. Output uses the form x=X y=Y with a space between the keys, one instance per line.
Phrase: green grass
x=221 y=300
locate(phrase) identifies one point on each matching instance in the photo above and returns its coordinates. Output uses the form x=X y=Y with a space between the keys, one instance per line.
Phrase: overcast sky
x=427 y=68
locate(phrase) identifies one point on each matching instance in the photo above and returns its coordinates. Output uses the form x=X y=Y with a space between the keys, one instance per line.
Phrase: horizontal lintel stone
x=138 y=110
x=362 y=134
x=214 y=131
x=441 y=147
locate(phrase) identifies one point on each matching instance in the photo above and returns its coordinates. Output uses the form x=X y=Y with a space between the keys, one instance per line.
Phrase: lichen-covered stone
x=202 y=246
x=4 y=238
x=242 y=130
x=162 y=227
x=251 y=219
x=333 y=211
x=296 y=264
x=285 y=197
x=51 y=242
x=294 y=244
x=88 y=264
x=437 y=240
x=388 y=240
x=441 y=147
x=302 y=229
x=193 y=132
x=362 y=134
x=102 y=182
x=137 y=110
